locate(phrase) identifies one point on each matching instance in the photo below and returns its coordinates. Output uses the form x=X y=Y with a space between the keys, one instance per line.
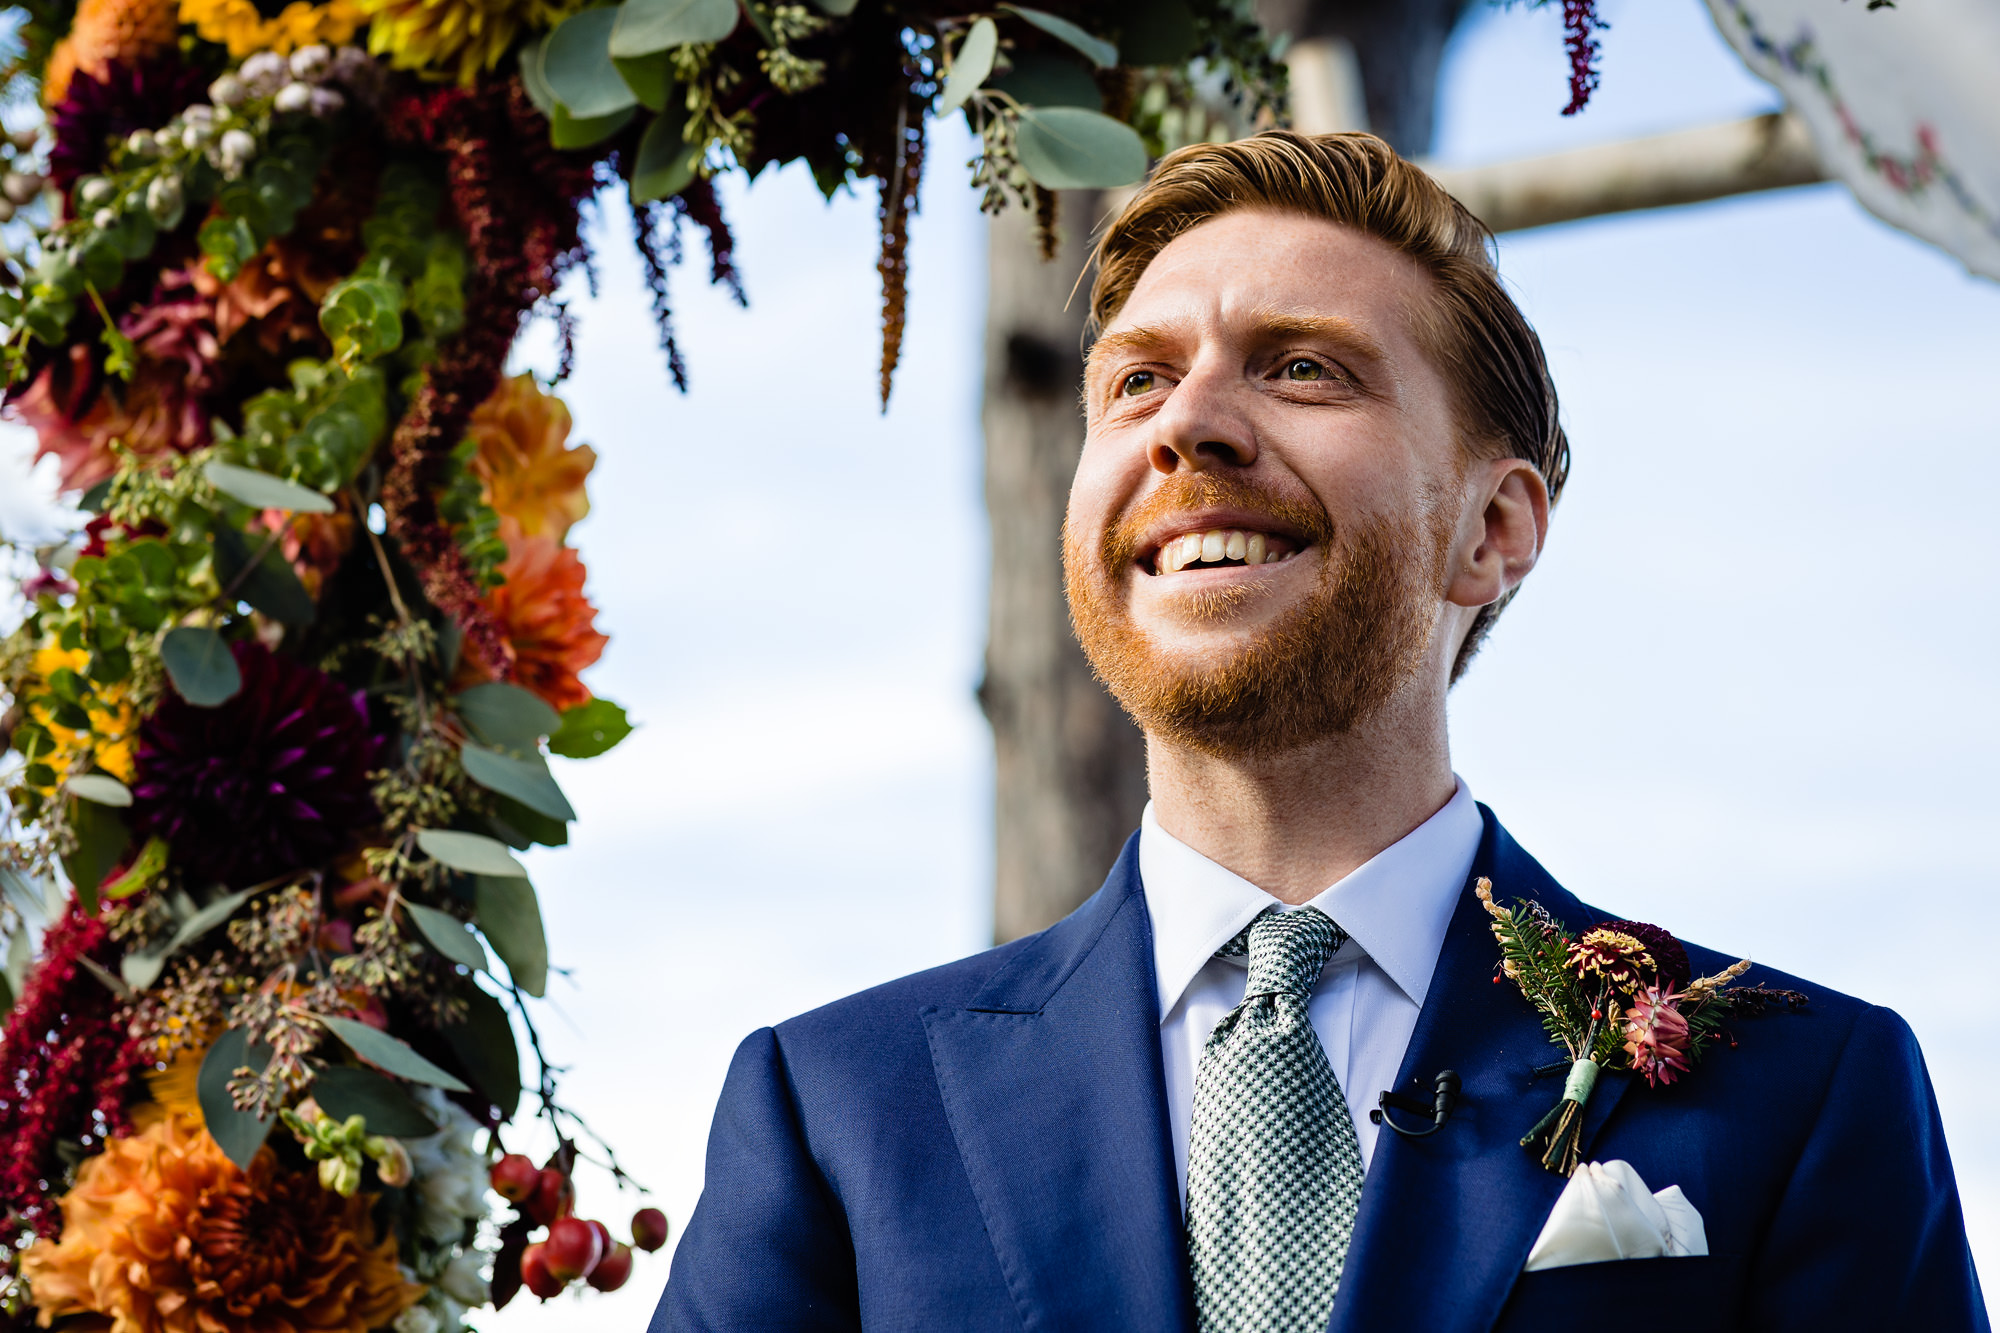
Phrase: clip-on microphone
x=1439 y=1109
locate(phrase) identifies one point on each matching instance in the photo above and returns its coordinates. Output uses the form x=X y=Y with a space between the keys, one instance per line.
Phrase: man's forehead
x=1261 y=272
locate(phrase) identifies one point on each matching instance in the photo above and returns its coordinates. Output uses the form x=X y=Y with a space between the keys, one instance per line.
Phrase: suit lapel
x=1447 y=1221
x=1051 y=1080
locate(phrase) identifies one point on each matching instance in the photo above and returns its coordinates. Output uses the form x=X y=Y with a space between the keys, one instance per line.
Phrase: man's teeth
x=1252 y=548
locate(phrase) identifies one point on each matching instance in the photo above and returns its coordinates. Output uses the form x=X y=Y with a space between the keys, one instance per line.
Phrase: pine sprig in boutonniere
x=1620 y=996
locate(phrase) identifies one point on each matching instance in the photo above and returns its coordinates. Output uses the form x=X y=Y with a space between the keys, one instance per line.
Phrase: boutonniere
x=1619 y=996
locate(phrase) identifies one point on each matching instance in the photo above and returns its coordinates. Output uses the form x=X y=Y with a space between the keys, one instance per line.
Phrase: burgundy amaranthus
x=516 y=201
x=66 y=1063
x=1580 y=26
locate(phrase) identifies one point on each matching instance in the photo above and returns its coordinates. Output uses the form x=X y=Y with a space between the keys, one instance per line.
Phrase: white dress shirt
x=1394 y=909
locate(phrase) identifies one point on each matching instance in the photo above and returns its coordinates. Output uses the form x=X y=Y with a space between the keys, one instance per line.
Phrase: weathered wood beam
x=1767 y=152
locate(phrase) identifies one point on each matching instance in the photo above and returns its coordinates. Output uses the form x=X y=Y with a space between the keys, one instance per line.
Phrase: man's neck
x=1294 y=823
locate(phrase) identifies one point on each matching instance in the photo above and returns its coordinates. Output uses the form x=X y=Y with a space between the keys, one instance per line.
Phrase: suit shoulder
x=1833 y=1017
x=900 y=1000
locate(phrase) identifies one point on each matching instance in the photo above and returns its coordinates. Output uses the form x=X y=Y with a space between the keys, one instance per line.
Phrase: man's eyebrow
x=1285 y=325
x=1142 y=337
x=1267 y=327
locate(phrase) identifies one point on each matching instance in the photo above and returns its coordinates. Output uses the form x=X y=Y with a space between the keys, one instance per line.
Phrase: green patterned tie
x=1274 y=1170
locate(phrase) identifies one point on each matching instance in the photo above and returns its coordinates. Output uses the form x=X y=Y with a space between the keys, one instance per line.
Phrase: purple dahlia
x=274 y=779
x=1670 y=960
x=100 y=109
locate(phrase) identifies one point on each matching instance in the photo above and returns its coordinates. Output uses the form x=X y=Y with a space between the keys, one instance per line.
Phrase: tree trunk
x=1069 y=766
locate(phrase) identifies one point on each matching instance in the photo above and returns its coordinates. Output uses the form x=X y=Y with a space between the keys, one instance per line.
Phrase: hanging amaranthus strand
x=899 y=200
x=66 y=1063
x=1580 y=25
x=516 y=201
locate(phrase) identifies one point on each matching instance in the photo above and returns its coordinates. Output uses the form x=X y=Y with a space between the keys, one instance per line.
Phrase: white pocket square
x=1606 y=1212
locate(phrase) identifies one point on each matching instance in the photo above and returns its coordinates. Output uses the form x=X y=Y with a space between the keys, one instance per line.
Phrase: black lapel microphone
x=1439 y=1108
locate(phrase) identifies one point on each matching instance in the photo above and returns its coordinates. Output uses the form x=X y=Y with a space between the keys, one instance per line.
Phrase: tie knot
x=1288 y=950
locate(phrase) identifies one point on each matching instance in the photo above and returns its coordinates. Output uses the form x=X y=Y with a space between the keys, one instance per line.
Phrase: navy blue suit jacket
x=984 y=1147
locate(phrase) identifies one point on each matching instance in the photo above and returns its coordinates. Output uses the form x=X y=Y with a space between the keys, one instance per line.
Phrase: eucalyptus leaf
x=141 y=970
x=238 y=1133
x=666 y=163
x=449 y=936
x=840 y=9
x=101 y=838
x=261 y=490
x=473 y=853
x=1101 y=53
x=1068 y=148
x=486 y=1050
x=651 y=78
x=588 y=730
x=345 y=1090
x=646 y=26
x=507 y=715
x=970 y=65
x=521 y=828
x=270 y=585
x=101 y=788
x=566 y=131
x=1049 y=78
x=527 y=780
x=6 y=996
x=390 y=1054
x=576 y=66
x=199 y=664
x=512 y=921
x=532 y=81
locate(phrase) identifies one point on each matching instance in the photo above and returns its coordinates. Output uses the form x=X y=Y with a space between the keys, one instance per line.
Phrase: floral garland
x=1619 y=997
x=278 y=719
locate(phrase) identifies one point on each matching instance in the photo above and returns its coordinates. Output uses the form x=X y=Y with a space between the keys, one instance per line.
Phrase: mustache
x=1184 y=492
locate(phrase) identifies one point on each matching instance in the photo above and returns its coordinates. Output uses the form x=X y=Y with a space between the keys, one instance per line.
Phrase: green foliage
x=389 y=1054
x=200 y=666
x=349 y=1090
x=238 y=1133
x=463 y=507
x=588 y=730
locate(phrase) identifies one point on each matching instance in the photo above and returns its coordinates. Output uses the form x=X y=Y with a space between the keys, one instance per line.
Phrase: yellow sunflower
x=460 y=37
x=238 y=25
x=107 y=741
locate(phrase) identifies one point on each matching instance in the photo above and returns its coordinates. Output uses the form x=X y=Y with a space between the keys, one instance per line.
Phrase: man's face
x=1270 y=489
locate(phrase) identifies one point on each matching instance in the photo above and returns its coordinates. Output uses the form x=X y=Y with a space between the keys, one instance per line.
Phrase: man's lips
x=1218 y=541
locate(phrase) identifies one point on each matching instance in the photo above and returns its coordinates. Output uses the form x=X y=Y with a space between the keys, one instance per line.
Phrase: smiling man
x=1322 y=446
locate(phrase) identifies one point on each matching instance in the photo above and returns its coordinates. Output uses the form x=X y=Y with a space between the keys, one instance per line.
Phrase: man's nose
x=1202 y=426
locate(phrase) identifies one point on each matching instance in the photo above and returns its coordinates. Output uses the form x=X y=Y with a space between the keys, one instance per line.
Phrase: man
x=1321 y=450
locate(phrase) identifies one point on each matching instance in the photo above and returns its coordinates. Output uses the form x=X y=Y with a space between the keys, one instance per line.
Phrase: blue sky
x=1747 y=694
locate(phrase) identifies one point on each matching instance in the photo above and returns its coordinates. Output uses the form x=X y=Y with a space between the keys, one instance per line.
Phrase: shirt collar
x=1395 y=908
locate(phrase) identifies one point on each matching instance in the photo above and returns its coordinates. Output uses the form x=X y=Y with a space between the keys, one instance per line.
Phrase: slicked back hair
x=1491 y=360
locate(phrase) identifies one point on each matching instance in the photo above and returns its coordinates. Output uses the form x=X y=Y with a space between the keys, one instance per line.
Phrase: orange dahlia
x=528 y=473
x=164 y=1234
x=541 y=610
x=104 y=31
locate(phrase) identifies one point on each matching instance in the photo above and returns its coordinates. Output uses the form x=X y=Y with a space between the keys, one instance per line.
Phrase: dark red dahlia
x=274 y=779
x=96 y=111
x=1668 y=955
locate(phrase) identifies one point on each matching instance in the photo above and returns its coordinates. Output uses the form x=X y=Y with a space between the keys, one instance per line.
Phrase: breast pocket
x=1701 y=1291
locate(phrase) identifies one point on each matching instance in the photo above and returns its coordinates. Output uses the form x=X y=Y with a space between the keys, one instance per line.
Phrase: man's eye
x=1138 y=382
x=1304 y=368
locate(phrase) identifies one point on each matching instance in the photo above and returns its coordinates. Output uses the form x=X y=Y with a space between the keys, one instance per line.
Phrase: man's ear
x=1500 y=538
